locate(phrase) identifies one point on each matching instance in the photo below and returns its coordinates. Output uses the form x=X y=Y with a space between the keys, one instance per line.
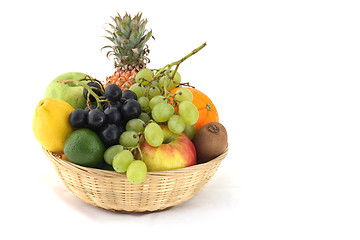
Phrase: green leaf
x=110 y=53
x=111 y=39
x=106 y=47
x=112 y=27
x=142 y=27
x=126 y=43
x=111 y=33
x=118 y=21
x=135 y=37
x=144 y=40
x=119 y=34
x=127 y=19
x=125 y=30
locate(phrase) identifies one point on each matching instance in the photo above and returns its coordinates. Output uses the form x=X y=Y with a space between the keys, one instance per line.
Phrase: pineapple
x=129 y=49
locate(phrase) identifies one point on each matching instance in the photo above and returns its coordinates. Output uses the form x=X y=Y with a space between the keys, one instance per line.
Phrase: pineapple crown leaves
x=129 y=37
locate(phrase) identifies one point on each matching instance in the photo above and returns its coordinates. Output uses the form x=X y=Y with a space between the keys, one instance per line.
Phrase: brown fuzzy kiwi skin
x=210 y=141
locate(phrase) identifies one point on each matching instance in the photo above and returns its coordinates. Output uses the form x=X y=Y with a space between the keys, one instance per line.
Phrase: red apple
x=177 y=151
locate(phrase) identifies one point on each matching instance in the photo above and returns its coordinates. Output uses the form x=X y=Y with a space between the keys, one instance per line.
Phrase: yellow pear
x=51 y=123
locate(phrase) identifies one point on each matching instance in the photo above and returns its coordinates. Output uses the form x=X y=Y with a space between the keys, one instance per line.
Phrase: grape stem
x=177 y=64
x=187 y=84
x=186 y=57
x=139 y=149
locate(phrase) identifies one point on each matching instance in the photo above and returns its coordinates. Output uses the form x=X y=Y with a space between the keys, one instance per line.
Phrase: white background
x=284 y=76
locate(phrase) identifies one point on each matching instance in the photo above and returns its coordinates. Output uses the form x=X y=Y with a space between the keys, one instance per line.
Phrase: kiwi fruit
x=210 y=141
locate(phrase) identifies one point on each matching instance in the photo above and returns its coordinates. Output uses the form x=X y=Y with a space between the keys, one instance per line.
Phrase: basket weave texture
x=112 y=191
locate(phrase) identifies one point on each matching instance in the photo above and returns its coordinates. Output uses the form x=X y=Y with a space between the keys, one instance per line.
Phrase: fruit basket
x=141 y=141
x=112 y=191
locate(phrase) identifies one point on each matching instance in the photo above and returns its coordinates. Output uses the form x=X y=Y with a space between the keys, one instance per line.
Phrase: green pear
x=69 y=93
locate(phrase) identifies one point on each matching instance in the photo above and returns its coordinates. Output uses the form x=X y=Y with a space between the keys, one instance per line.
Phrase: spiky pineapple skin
x=124 y=79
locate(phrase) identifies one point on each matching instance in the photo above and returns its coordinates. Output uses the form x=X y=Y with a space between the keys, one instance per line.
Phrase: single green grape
x=154 y=135
x=144 y=102
x=145 y=117
x=184 y=94
x=122 y=160
x=129 y=139
x=136 y=125
x=189 y=112
x=111 y=152
x=144 y=76
x=176 y=124
x=153 y=91
x=162 y=112
x=156 y=100
x=138 y=89
x=136 y=172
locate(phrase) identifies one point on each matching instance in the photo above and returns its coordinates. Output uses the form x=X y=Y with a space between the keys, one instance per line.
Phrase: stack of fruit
x=139 y=120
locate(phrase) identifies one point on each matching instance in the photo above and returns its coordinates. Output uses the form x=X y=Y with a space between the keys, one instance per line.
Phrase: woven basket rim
x=113 y=173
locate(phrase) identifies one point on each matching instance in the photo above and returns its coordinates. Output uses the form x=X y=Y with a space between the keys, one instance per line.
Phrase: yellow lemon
x=51 y=123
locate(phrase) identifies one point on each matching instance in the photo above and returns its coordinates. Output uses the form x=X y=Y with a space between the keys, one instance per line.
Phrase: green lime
x=84 y=147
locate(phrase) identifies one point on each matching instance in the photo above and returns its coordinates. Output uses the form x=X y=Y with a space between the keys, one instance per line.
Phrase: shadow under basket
x=112 y=191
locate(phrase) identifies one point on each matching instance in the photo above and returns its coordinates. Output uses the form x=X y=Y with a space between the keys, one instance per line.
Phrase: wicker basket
x=112 y=191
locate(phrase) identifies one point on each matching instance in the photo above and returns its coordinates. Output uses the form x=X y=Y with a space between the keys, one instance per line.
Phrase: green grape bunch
x=159 y=106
